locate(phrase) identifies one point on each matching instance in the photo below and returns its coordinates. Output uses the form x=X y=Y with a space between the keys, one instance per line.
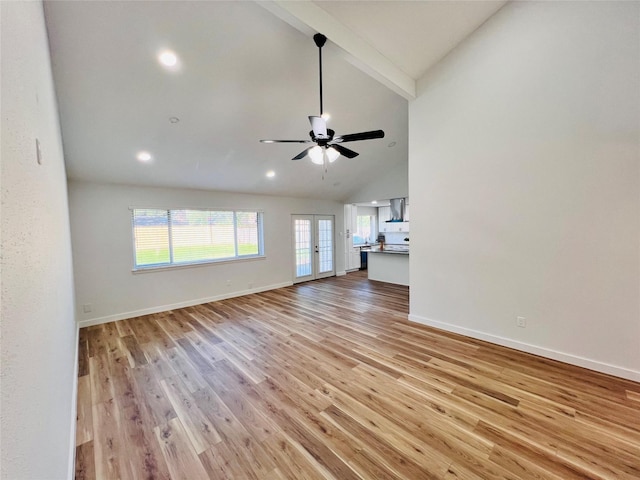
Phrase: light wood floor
x=328 y=380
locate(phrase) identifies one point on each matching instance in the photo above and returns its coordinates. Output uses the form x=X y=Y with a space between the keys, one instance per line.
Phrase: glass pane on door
x=325 y=246
x=303 y=247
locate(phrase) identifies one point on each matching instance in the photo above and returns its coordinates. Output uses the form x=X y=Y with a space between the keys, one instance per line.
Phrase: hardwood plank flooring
x=328 y=380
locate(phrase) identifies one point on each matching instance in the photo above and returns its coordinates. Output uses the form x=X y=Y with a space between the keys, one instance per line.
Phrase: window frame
x=197 y=263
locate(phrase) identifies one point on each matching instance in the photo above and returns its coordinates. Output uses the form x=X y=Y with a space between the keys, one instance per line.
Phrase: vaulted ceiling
x=246 y=71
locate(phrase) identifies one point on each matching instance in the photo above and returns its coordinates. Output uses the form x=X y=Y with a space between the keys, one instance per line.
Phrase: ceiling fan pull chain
x=325 y=165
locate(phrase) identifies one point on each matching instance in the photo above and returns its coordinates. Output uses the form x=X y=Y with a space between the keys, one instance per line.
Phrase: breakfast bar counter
x=389 y=265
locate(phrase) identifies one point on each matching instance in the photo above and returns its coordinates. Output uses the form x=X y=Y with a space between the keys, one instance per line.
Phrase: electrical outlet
x=250 y=284
x=521 y=322
x=87 y=308
x=228 y=283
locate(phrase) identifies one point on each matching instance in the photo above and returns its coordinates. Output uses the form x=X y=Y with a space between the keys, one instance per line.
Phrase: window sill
x=181 y=266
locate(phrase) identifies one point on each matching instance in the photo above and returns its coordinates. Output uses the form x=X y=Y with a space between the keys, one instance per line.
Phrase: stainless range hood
x=397 y=210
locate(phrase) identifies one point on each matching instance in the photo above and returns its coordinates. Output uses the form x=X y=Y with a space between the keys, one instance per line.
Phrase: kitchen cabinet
x=352 y=255
x=398 y=227
x=354 y=259
x=384 y=213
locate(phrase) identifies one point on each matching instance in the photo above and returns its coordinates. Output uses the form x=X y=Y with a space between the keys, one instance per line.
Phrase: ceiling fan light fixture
x=332 y=154
x=316 y=155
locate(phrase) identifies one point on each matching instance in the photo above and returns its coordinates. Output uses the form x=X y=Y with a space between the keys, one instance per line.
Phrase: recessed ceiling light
x=271 y=174
x=374 y=202
x=174 y=119
x=168 y=58
x=391 y=144
x=144 y=156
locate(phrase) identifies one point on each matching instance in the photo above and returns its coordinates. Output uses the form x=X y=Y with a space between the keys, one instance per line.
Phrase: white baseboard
x=534 y=349
x=341 y=273
x=173 y=306
x=74 y=409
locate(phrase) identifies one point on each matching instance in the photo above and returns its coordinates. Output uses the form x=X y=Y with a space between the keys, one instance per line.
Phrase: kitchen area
x=377 y=236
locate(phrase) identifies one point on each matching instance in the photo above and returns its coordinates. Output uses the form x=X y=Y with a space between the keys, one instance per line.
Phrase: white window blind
x=151 y=237
x=183 y=237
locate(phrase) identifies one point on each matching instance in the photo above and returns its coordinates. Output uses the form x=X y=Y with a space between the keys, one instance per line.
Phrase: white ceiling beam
x=308 y=18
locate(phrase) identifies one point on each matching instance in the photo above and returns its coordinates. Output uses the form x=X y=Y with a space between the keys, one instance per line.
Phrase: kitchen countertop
x=362 y=246
x=391 y=252
x=391 y=249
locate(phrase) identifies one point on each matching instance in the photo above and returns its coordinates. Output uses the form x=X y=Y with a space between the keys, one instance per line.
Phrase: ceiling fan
x=327 y=146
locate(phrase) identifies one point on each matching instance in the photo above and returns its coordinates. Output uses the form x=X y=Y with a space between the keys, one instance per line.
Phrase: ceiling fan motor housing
x=320 y=140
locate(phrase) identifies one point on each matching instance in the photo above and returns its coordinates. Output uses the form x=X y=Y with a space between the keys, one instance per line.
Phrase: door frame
x=314 y=218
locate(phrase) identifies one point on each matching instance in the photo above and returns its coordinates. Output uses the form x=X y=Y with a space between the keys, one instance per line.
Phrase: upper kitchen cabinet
x=386 y=226
x=384 y=213
x=396 y=227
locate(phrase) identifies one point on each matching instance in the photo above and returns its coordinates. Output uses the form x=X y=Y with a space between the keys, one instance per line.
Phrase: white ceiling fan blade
x=319 y=126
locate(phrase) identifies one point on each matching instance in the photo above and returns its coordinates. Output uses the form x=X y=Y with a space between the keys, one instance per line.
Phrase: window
x=183 y=237
x=365 y=230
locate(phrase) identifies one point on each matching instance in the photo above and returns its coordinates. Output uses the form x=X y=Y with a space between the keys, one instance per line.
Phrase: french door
x=313 y=247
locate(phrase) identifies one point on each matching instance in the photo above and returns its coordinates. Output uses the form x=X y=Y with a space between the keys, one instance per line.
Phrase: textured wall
x=38 y=325
x=525 y=184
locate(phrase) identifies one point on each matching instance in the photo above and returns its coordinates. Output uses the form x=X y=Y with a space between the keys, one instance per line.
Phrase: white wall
x=38 y=355
x=525 y=184
x=372 y=211
x=103 y=255
x=392 y=183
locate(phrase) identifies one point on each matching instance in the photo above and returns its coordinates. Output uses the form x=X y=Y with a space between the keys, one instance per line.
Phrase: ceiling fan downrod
x=320 y=40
